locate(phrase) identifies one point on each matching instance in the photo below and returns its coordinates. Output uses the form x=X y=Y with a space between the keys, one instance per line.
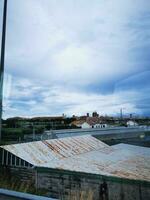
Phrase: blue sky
x=75 y=57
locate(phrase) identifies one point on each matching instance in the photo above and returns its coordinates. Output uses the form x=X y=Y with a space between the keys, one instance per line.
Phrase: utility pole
x=121 y=114
x=33 y=132
x=2 y=62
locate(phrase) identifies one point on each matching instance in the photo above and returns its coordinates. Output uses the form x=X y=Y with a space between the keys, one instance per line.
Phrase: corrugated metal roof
x=124 y=161
x=45 y=151
x=87 y=154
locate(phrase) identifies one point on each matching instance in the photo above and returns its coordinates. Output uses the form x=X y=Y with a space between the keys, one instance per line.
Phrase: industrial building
x=81 y=165
x=103 y=134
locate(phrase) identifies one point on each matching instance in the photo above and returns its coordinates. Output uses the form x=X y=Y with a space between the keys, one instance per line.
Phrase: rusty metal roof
x=87 y=154
x=123 y=161
x=45 y=151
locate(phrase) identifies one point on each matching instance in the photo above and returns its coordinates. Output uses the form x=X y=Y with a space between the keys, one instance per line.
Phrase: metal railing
x=8 y=194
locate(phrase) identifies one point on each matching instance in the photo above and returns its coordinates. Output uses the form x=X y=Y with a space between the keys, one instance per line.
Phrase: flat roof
x=87 y=154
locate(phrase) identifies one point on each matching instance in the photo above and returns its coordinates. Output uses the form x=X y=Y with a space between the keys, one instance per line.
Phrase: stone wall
x=66 y=186
x=22 y=174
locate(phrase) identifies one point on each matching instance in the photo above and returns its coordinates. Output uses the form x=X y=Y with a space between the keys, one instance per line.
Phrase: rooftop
x=90 y=120
x=87 y=154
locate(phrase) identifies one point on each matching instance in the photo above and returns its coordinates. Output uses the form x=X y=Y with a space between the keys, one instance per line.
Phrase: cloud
x=30 y=99
x=83 y=48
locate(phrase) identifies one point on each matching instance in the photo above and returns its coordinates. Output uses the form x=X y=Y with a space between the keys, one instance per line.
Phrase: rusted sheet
x=45 y=151
x=86 y=154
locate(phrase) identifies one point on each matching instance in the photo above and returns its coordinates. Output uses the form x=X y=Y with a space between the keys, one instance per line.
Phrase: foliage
x=12 y=133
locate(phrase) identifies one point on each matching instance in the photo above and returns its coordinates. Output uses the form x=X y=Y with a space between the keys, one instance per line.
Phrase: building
x=80 y=124
x=100 y=125
x=95 y=114
x=132 y=123
x=82 y=164
x=50 y=122
x=90 y=122
x=104 y=134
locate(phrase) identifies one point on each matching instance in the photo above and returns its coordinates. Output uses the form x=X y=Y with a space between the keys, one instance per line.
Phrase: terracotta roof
x=93 y=120
x=90 y=120
x=78 y=122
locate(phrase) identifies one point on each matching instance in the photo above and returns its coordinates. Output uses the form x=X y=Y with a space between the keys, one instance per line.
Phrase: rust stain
x=85 y=154
x=53 y=148
x=122 y=173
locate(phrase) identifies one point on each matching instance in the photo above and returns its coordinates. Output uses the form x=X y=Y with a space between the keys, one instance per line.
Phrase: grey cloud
x=88 y=51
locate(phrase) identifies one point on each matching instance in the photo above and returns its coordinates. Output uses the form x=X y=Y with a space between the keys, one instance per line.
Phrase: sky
x=77 y=56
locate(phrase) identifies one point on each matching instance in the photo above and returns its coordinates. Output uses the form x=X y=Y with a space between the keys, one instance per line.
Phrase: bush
x=12 y=133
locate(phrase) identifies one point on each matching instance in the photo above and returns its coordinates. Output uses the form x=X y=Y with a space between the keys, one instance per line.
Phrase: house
x=90 y=122
x=132 y=123
x=81 y=124
x=101 y=125
x=96 y=122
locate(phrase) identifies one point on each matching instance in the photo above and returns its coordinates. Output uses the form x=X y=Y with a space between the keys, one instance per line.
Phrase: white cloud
x=58 y=100
x=49 y=38
x=68 y=46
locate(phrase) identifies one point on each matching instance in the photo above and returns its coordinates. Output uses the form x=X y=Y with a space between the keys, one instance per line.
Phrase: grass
x=25 y=187
x=28 y=187
x=82 y=195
